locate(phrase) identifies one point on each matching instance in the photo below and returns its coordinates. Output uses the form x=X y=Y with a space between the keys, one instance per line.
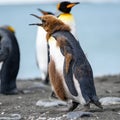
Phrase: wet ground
x=23 y=106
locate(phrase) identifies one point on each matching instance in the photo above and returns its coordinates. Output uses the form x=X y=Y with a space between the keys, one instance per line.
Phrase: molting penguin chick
x=56 y=58
x=42 y=51
x=75 y=80
x=10 y=56
x=65 y=15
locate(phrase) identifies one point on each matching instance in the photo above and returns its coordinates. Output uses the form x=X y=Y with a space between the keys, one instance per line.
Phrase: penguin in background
x=10 y=59
x=42 y=51
x=75 y=81
x=65 y=8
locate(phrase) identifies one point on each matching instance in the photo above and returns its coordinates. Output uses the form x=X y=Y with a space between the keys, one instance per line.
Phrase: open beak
x=42 y=11
x=72 y=4
x=45 y=12
x=38 y=24
x=36 y=16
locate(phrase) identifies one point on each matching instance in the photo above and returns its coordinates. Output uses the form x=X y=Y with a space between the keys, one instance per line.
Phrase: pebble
x=11 y=117
x=119 y=113
x=19 y=97
x=41 y=118
x=50 y=103
x=2 y=113
x=78 y=114
x=110 y=100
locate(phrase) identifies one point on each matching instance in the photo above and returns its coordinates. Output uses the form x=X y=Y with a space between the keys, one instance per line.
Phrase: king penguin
x=42 y=51
x=65 y=15
x=75 y=80
x=10 y=59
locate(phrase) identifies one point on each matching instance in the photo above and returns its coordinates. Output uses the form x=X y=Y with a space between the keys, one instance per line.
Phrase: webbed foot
x=11 y=92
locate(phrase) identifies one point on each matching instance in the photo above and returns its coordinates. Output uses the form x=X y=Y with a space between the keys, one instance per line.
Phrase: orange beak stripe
x=71 y=5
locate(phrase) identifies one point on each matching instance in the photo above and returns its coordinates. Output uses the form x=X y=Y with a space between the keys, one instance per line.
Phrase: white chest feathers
x=56 y=54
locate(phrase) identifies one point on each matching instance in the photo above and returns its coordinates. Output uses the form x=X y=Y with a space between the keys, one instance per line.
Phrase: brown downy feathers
x=56 y=81
x=52 y=24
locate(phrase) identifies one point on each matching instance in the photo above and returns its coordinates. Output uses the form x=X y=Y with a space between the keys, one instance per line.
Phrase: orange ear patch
x=58 y=6
x=11 y=29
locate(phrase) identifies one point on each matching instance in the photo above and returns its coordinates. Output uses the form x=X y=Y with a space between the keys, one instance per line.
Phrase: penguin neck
x=69 y=20
x=66 y=16
x=62 y=27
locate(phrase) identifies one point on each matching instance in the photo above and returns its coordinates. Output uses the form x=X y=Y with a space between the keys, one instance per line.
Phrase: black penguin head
x=9 y=28
x=66 y=6
x=45 y=12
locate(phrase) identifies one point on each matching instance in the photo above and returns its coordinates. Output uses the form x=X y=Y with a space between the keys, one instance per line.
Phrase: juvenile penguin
x=41 y=45
x=75 y=80
x=65 y=8
x=42 y=51
x=10 y=58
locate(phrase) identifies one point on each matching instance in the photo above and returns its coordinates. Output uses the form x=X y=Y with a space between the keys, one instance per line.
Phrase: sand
x=23 y=106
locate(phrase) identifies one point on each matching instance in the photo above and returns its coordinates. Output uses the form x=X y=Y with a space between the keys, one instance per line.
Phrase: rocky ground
x=23 y=106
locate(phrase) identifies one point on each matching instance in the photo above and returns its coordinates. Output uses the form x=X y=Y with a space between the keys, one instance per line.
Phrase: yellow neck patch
x=66 y=16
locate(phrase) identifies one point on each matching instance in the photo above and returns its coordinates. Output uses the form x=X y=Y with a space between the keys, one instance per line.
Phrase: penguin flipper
x=66 y=51
x=68 y=58
x=83 y=73
x=3 y=52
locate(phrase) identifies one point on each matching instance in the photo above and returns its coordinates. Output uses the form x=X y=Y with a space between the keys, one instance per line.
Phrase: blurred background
x=97 y=24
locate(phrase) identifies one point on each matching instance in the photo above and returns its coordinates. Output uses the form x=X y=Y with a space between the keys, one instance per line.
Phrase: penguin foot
x=86 y=108
x=73 y=106
x=46 y=81
x=11 y=92
x=53 y=95
x=70 y=108
x=98 y=104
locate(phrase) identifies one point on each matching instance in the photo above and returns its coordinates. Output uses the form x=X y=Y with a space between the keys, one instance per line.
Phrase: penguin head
x=51 y=24
x=45 y=12
x=66 y=6
x=47 y=22
x=9 y=28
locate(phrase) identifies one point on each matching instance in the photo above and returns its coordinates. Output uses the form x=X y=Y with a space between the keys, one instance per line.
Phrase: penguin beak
x=72 y=4
x=36 y=16
x=38 y=24
x=42 y=11
x=45 y=12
